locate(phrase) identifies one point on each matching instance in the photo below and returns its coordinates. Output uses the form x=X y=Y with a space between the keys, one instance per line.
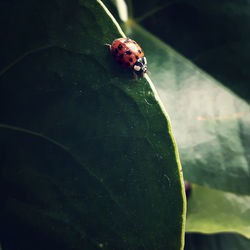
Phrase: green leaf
x=88 y=157
x=214 y=35
x=210 y=123
x=212 y=211
x=221 y=241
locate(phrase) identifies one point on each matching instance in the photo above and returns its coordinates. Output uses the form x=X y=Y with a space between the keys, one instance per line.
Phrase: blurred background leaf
x=222 y=241
x=211 y=211
x=213 y=34
x=88 y=159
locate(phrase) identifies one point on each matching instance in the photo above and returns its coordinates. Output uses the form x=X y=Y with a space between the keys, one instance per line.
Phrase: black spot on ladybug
x=134 y=42
x=120 y=47
x=137 y=57
x=128 y=64
x=116 y=51
x=128 y=52
x=130 y=59
x=121 y=56
x=120 y=62
x=139 y=51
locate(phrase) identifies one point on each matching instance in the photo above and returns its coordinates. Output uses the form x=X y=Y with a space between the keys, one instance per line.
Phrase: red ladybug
x=129 y=54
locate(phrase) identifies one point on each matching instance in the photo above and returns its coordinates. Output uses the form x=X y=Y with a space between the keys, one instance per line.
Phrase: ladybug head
x=140 y=66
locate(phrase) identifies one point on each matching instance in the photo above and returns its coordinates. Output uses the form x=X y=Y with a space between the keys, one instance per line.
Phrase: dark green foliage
x=88 y=160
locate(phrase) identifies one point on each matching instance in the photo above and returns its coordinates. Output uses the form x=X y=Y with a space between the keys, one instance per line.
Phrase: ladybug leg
x=135 y=76
x=107 y=45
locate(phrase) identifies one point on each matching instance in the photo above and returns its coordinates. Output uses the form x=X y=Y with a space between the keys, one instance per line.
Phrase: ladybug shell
x=126 y=51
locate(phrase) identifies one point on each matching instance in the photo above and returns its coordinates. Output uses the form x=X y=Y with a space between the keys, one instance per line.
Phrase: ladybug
x=129 y=54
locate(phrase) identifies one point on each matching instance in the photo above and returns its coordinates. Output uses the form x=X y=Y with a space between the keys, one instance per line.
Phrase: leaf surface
x=216 y=242
x=88 y=157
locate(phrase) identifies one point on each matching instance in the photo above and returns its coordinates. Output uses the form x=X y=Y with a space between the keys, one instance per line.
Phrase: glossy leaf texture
x=210 y=123
x=88 y=160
